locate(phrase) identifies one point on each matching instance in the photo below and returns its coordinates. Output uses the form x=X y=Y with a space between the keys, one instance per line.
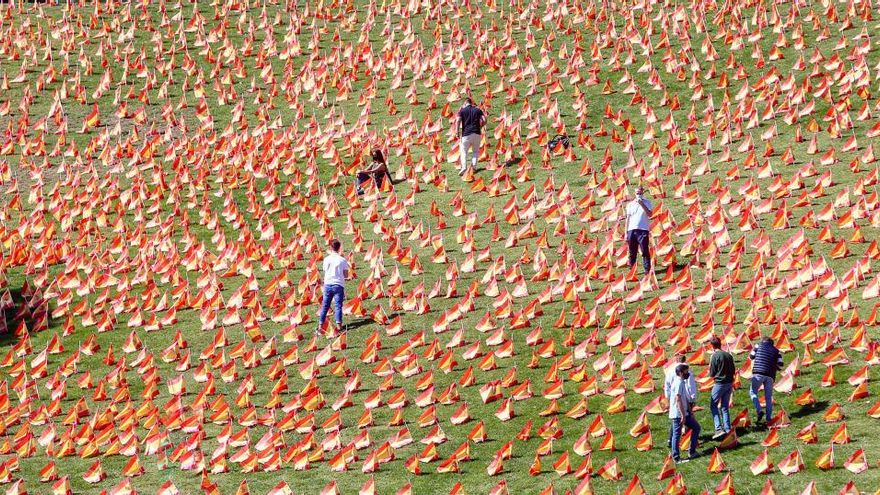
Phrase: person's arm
x=752 y=354
x=779 y=363
x=679 y=404
x=482 y=118
x=648 y=207
x=692 y=388
x=345 y=269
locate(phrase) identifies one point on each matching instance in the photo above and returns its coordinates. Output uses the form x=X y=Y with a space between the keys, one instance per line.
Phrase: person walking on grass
x=638 y=229
x=682 y=416
x=669 y=379
x=335 y=272
x=470 y=121
x=669 y=382
x=722 y=370
x=766 y=361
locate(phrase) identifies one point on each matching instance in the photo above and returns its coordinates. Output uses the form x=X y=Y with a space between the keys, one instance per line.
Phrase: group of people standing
x=679 y=385
x=680 y=388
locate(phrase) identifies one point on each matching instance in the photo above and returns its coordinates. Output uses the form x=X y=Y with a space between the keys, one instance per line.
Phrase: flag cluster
x=171 y=172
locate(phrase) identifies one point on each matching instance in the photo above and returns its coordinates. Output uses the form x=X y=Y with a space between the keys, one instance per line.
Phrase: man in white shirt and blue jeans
x=335 y=273
x=638 y=229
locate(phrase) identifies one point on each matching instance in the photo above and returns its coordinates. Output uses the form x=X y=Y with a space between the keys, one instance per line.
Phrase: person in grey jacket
x=766 y=361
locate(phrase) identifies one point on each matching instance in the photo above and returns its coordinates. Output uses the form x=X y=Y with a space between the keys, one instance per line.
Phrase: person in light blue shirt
x=669 y=379
x=682 y=416
x=638 y=229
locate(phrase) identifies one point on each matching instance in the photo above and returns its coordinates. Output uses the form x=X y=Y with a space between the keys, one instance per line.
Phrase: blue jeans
x=759 y=381
x=720 y=405
x=637 y=240
x=691 y=423
x=332 y=293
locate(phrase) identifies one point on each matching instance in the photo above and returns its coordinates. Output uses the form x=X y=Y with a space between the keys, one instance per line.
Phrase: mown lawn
x=327 y=104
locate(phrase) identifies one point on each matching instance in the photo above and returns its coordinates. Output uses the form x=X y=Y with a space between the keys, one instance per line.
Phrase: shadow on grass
x=19 y=306
x=808 y=410
x=706 y=449
x=361 y=322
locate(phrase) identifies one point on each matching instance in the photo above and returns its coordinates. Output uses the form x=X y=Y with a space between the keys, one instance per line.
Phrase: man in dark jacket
x=471 y=120
x=722 y=370
x=766 y=361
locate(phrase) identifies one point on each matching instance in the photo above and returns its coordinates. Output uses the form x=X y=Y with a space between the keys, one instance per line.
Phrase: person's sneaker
x=461 y=171
x=718 y=434
x=318 y=332
x=694 y=455
x=760 y=417
x=681 y=461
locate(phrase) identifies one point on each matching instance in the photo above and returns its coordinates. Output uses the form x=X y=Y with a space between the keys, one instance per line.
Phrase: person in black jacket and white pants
x=471 y=120
x=766 y=361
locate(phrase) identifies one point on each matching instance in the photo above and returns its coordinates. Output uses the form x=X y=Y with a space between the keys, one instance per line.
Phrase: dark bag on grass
x=559 y=139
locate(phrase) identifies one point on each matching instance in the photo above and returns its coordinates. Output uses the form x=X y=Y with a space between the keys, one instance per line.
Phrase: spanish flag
x=716 y=463
x=793 y=463
x=92 y=120
x=857 y=462
x=762 y=464
x=826 y=459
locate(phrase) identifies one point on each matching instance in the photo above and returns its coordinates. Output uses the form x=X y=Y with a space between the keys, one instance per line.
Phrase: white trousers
x=470 y=142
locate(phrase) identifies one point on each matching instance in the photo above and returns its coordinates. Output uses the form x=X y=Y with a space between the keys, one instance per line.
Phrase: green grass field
x=171 y=173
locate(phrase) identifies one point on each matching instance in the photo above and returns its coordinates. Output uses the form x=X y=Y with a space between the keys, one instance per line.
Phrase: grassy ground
x=429 y=52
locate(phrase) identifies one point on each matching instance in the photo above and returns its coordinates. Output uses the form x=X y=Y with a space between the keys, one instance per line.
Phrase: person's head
x=640 y=191
x=468 y=101
x=682 y=370
x=377 y=155
x=335 y=245
x=766 y=340
x=716 y=343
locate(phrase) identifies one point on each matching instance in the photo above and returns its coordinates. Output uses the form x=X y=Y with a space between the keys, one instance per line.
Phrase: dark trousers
x=638 y=240
x=364 y=177
x=677 y=431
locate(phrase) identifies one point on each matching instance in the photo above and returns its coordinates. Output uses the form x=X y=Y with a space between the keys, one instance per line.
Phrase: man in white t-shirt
x=638 y=229
x=335 y=273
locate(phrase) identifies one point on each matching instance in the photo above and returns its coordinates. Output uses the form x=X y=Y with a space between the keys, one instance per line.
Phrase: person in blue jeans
x=722 y=371
x=766 y=361
x=335 y=272
x=681 y=415
x=669 y=380
x=638 y=229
